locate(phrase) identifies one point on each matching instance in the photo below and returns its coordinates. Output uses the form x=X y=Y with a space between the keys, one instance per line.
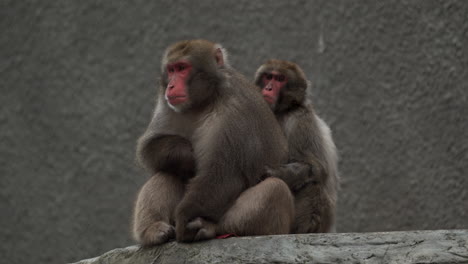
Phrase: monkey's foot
x=199 y=229
x=157 y=233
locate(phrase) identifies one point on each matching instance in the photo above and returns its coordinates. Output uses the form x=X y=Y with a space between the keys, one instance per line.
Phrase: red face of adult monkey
x=311 y=172
x=192 y=80
x=176 y=91
x=206 y=149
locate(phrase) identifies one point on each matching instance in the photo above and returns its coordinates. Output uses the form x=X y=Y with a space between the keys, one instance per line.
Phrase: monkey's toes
x=205 y=234
x=197 y=223
x=158 y=233
x=202 y=229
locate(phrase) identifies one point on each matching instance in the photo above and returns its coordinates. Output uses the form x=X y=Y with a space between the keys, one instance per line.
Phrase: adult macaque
x=207 y=144
x=311 y=172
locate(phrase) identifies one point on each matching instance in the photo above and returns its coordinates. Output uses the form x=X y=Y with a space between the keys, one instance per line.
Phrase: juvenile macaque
x=311 y=172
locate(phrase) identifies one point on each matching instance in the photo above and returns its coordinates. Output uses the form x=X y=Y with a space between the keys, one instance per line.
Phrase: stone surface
x=77 y=82
x=444 y=246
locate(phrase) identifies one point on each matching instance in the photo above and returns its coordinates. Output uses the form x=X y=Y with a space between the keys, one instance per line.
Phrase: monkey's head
x=283 y=84
x=191 y=73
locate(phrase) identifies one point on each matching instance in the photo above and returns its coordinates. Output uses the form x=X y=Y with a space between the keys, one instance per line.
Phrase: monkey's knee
x=265 y=209
x=278 y=187
x=280 y=193
x=280 y=204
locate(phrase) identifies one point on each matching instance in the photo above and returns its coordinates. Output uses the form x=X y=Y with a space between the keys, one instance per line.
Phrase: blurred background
x=78 y=82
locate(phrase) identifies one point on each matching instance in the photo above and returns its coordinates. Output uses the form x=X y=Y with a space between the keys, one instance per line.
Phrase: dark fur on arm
x=170 y=153
x=297 y=174
x=208 y=195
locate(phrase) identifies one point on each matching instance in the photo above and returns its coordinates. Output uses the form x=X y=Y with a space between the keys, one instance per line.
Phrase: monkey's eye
x=170 y=69
x=269 y=76
x=280 y=78
x=180 y=67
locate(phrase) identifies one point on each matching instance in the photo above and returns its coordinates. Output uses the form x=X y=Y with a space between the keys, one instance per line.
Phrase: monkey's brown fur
x=207 y=155
x=312 y=172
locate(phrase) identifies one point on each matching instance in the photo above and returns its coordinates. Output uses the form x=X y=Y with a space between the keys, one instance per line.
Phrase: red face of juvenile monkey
x=176 y=90
x=272 y=82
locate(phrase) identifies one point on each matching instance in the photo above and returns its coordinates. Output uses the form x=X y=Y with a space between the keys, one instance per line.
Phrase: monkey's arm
x=169 y=153
x=218 y=181
x=208 y=196
x=297 y=174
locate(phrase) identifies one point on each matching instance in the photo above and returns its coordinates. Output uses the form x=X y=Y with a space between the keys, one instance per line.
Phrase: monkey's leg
x=154 y=209
x=314 y=213
x=264 y=209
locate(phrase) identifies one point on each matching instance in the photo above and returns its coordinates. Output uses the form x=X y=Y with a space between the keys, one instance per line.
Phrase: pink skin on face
x=273 y=82
x=176 y=91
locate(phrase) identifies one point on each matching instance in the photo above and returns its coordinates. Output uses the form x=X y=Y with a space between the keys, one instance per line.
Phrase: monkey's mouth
x=178 y=99
x=269 y=99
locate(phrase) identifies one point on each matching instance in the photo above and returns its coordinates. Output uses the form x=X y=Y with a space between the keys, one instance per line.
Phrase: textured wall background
x=78 y=82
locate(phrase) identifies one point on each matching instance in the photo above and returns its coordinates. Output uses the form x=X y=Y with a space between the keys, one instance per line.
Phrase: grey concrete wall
x=77 y=84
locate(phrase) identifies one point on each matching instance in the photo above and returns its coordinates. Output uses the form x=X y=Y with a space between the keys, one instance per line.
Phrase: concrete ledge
x=442 y=246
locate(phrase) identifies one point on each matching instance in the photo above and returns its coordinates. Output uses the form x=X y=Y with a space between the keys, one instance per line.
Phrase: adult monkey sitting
x=207 y=144
x=312 y=172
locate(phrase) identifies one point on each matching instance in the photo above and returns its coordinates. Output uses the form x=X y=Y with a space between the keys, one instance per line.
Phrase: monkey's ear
x=220 y=56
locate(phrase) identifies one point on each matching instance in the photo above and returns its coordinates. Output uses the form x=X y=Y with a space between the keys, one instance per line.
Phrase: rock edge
x=441 y=246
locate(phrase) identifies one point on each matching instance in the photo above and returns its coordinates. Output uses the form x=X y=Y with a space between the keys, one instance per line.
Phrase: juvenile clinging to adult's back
x=207 y=144
x=311 y=171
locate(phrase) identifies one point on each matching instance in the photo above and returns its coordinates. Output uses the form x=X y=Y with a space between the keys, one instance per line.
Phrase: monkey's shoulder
x=234 y=78
x=300 y=116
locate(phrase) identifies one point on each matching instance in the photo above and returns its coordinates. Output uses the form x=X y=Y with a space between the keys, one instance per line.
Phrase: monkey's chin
x=271 y=105
x=270 y=101
x=179 y=108
x=177 y=103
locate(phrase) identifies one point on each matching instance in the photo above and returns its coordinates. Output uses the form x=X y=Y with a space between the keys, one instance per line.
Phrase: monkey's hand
x=157 y=233
x=195 y=230
x=270 y=172
x=295 y=174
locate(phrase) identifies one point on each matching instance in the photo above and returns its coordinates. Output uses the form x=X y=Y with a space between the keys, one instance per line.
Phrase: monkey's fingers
x=158 y=233
x=267 y=172
x=184 y=234
x=203 y=229
x=196 y=224
x=205 y=234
